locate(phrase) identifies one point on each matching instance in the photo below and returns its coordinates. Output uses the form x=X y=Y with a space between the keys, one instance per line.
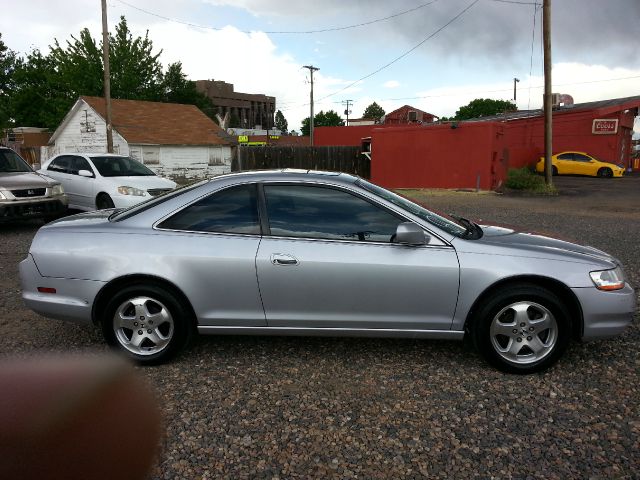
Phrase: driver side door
x=329 y=262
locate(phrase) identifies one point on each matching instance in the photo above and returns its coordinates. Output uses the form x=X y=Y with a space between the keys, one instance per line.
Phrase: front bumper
x=126 y=201
x=606 y=314
x=15 y=210
x=72 y=301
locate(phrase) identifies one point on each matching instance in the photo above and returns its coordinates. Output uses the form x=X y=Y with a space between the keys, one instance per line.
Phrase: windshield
x=11 y=162
x=120 y=167
x=125 y=213
x=439 y=221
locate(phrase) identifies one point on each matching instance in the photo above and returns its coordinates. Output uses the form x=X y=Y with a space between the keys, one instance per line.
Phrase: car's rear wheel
x=104 y=201
x=605 y=173
x=146 y=322
x=554 y=170
x=522 y=329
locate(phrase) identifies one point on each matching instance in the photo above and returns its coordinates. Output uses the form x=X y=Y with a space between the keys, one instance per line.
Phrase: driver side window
x=326 y=213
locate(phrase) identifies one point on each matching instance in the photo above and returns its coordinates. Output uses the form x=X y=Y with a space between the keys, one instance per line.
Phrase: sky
x=435 y=55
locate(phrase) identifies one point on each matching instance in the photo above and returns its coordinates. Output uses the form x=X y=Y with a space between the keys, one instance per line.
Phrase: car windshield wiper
x=472 y=230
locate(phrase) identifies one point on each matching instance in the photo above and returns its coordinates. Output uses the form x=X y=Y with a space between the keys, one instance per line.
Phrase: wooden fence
x=335 y=159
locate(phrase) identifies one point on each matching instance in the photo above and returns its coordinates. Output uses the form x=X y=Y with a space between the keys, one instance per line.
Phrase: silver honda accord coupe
x=318 y=253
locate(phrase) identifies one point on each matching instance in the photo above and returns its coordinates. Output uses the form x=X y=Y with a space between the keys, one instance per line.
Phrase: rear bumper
x=72 y=301
x=606 y=314
x=32 y=209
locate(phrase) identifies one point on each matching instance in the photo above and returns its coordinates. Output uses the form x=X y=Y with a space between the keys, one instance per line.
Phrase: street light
x=515 y=80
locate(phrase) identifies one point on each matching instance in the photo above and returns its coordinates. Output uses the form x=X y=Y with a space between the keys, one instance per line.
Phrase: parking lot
x=286 y=407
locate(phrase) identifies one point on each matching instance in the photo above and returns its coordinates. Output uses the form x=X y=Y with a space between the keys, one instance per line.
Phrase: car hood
x=22 y=180
x=142 y=182
x=538 y=243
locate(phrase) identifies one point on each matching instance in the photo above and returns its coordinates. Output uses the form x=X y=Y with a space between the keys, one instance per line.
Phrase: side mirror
x=85 y=173
x=411 y=234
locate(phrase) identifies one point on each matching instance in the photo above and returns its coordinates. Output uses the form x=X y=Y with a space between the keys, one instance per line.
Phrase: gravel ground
x=366 y=408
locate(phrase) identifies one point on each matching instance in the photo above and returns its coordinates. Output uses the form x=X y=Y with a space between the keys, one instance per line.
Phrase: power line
x=478 y=92
x=405 y=53
x=516 y=2
x=321 y=30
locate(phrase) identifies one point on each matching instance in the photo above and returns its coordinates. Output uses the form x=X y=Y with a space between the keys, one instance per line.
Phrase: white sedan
x=100 y=180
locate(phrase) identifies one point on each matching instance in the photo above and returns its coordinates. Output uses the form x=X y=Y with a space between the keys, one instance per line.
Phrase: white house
x=174 y=140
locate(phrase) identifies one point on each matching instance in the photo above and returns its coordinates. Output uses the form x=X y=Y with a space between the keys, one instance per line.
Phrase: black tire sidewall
x=181 y=322
x=496 y=302
x=104 y=201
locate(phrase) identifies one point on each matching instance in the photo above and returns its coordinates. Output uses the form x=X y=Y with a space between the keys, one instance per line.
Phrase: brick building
x=249 y=108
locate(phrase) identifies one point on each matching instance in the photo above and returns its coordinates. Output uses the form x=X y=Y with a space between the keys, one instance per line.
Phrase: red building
x=479 y=152
x=602 y=129
x=408 y=115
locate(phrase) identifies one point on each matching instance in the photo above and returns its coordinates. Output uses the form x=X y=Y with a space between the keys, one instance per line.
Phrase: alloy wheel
x=143 y=325
x=524 y=332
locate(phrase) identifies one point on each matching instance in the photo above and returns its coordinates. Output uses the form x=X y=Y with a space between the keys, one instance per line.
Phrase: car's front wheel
x=146 y=322
x=522 y=329
x=104 y=201
x=605 y=173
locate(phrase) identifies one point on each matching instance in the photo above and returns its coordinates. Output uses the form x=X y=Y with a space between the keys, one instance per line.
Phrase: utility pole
x=311 y=70
x=347 y=103
x=548 y=143
x=515 y=80
x=107 y=76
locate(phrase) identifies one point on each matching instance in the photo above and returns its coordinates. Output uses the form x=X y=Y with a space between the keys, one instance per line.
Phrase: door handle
x=283 y=259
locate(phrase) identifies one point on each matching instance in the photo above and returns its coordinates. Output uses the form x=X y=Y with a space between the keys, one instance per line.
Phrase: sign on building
x=605 y=126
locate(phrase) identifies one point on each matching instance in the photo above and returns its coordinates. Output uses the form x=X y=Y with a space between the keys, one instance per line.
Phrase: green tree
x=7 y=68
x=281 y=122
x=39 y=98
x=322 y=119
x=373 y=111
x=136 y=72
x=178 y=89
x=79 y=65
x=484 y=107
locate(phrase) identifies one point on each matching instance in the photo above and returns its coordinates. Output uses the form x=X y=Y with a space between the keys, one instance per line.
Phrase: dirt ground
x=269 y=407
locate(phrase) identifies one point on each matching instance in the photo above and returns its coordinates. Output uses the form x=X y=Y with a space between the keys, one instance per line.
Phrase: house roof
x=408 y=107
x=156 y=123
x=601 y=107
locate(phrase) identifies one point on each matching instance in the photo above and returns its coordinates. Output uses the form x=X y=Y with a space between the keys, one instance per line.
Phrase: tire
x=605 y=173
x=147 y=323
x=103 y=202
x=554 y=171
x=521 y=329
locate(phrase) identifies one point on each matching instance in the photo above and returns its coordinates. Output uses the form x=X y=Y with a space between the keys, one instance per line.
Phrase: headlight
x=608 y=279
x=131 y=191
x=57 y=190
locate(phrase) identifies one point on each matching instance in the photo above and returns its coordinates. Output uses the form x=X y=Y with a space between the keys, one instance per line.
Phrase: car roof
x=289 y=174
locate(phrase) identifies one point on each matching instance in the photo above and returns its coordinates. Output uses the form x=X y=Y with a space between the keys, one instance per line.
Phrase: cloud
x=587 y=31
x=585 y=83
x=391 y=84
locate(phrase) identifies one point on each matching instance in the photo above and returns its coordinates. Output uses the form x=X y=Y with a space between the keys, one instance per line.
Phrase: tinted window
x=11 y=162
x=319 y=212
x=581 y=158
x=60 y=164
x=79 y=163
x=233 y=210
x=566 y=156
x=437 y=219
x=120 y=167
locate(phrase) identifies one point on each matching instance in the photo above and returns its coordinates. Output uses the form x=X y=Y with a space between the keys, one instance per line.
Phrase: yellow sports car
x=580 y=163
